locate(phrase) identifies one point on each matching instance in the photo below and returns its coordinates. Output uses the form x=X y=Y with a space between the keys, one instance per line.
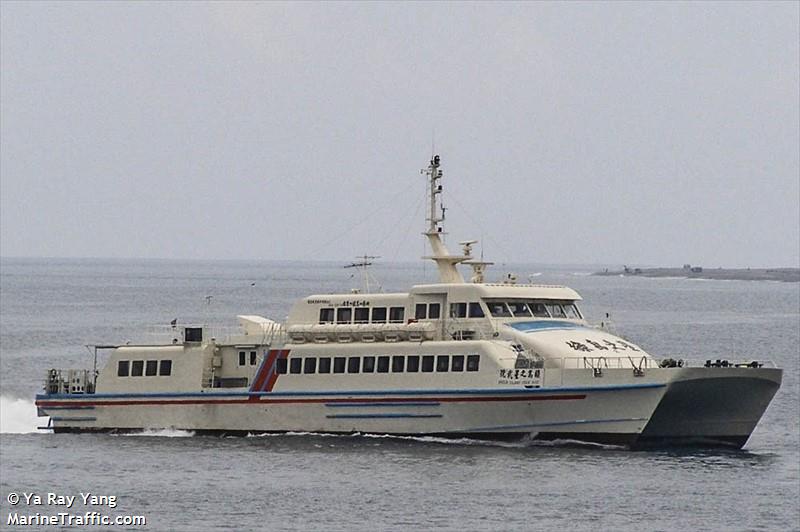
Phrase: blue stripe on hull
x=388 y=415
x=371 y=405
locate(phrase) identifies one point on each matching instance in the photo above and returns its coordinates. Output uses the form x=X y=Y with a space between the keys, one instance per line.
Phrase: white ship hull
x=690 y=406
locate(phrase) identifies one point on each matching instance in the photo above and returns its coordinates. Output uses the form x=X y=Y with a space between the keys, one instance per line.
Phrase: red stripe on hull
x=263 y=371
x=274 y=377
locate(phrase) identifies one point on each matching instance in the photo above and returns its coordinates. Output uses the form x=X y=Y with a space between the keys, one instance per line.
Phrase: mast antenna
x=363 y=264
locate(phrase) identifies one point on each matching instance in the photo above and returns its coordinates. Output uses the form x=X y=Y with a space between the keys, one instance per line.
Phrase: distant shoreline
x=788 y=275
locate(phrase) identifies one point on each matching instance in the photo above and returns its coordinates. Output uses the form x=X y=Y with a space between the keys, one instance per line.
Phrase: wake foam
x=161 y=433
x=18 y=416
x=521 y=444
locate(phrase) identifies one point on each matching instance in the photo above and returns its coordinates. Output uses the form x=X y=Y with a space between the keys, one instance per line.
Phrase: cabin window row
x=466 y=310
x=379 y=364
x=343 y=315
x=427 y=311
x=144 y=368
x=537 y=309
x=243 y=358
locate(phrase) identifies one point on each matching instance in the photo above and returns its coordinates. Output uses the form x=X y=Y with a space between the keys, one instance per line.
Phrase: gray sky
x=570 y=133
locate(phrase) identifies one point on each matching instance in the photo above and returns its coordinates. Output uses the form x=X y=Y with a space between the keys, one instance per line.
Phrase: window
x=295 y=365
x=241 y=358
x=421 y=311
x=413 y=363
x=310 y=365
x=427 y=363
x=434 y=311
x=151 y=368
x=538 y=309
x=555 y=310
x=281 y=366
x=166 y=368
x=379 y=315
x=442 y=363
x=325 y=365
x=123 y=367
x=326 y=315
x=458 y=310
x=498 y=309
x=396 y=314
x=362 y=315
x=398 y=363
x=475 y=310
x=472 y=362
x=193 y=334
x=458 y=363
x=137 y=368
x=572 y=311
x=383 y=364
x=369 y=365
x=344 y=315
x=338 y=364
x=252 y=358
x=353 y=364
x=519 y=309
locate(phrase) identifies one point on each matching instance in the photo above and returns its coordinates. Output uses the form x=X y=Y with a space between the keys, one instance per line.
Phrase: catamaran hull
x=711 y=407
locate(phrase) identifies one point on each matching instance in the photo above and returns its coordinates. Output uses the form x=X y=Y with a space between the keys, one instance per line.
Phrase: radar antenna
x=363 y=264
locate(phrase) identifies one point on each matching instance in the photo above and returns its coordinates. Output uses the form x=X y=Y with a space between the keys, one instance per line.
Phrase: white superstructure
x=455 y=358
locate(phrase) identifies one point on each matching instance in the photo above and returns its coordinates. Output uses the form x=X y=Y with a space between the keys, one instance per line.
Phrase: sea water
x=50 y=309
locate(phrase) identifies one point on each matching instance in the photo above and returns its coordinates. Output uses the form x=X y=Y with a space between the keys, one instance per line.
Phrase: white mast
x=448 y=273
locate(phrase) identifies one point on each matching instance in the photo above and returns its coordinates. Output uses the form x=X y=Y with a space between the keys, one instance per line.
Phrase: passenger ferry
x=454 y=358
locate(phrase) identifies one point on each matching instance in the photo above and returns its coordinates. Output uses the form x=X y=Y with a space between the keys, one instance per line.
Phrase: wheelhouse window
x=427 y=363
x=325 y=365
x=421 y=311
x=242 y=356
x=369 y=365
x=310 y=365
x=434 y=311
x=472 y=362
x=398 y=363
x=137 y=368
x=519 y=309
x=353 y=364
x=326 y=315
x=295 y=365
x=475 y=310
x=442 y=363
x=458 y=363
x=344 y=315
x=396 y=314
x=571 y=311
x=338 y=364
x=458 y=310
x=165 y=369
x=413 y=364
x=361 y=315
x=498 y=309
x=151 y=368
x=123 y=368
x=538 y=309
x=555 y=310
x=253 y=358
x=383 y=364
x=379 y=315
